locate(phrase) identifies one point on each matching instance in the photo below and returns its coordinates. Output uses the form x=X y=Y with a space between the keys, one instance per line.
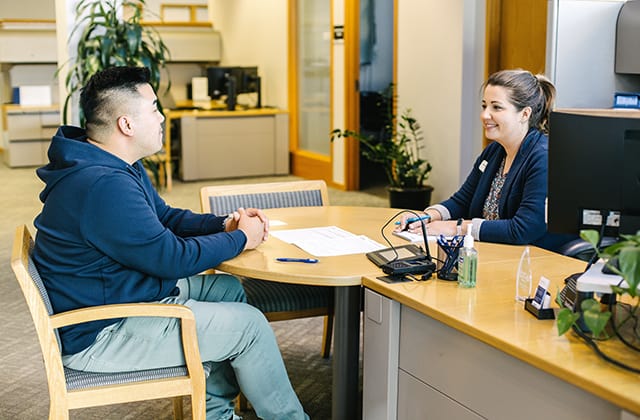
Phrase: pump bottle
x=467 y=262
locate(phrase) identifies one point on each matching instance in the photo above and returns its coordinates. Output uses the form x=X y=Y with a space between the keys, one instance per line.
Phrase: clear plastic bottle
x=467 y=262
x=523 y=278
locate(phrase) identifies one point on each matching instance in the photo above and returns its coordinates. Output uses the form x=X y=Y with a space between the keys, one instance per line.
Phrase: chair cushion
x=269 y=296
x=77 y=379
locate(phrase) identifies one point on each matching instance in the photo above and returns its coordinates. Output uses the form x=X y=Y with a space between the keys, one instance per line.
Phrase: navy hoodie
x=105 y=236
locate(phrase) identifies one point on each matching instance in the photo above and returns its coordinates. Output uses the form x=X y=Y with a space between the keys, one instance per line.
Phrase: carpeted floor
x=23 y=386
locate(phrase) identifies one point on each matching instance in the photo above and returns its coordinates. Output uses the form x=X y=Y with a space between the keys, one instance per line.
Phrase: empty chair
x=278 y=301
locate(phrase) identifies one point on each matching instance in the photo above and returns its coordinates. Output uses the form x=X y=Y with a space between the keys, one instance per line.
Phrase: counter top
x=490 y=314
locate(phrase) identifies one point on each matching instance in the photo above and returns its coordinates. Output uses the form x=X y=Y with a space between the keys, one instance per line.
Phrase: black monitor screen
x=221 y=79
x=594 y=171
x=249 y=80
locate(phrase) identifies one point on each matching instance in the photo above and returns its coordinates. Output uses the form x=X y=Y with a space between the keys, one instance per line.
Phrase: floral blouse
x=490 y=209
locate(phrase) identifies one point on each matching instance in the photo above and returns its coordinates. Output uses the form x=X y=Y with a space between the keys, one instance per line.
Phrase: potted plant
x=622 y=258
x=107 y=39
x=397 y=149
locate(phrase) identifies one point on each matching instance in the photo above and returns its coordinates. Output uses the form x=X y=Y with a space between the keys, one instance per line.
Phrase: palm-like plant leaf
x=106 y=40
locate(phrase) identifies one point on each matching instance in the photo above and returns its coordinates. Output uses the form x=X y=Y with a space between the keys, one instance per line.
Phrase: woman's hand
x=416 y=226
x=448 y=228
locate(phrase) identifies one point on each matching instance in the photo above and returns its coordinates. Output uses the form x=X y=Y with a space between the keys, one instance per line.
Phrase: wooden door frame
x=352 y=93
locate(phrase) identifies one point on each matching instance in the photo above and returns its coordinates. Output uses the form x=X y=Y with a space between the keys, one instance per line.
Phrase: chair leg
x=326 y=336
x=58 y=413
x=177 y=408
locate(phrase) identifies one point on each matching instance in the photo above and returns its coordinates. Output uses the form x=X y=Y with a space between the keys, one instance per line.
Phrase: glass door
x=311 y=91
x=313 y=75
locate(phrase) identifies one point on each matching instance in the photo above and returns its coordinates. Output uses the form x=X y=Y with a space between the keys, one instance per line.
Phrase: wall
x=581 y=53
x=255 y=33
x=440 y=70
x=376 y=76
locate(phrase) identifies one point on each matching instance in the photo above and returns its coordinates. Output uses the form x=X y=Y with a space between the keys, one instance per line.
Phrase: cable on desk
x=592 y=343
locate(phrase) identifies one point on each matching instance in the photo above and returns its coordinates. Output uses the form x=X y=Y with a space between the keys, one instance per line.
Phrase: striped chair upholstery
x=278 y=301
x=78 y=381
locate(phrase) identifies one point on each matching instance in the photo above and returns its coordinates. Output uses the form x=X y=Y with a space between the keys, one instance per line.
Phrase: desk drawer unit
x=468 y=373
x=416 y=367
x=27 y=137
x=227 y=147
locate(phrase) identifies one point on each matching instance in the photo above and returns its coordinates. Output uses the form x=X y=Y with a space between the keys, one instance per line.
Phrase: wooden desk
x=476 y=353
x=223 y=144
x=345 y=272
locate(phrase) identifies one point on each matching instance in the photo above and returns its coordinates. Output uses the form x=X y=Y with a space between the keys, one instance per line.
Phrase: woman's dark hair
x=527 y=90
x=102 y=93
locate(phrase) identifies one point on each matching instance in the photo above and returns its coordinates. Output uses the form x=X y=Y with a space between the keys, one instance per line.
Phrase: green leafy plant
x=627 y=255
x=397 y=148
x=109 y=39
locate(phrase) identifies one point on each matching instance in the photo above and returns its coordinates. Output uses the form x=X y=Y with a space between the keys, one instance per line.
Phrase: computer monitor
x=230 y=81
x=594 y=171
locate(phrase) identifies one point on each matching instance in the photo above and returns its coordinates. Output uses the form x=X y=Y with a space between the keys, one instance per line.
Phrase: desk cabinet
x=416 y=367
x=227 y=144
x=28 y=133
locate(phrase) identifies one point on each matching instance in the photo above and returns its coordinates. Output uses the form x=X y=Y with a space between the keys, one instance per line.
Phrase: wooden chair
x=278 y=301
x=70 y=389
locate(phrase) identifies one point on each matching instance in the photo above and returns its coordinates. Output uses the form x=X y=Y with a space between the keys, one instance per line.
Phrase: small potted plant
x=397 y=150
x=623 y=259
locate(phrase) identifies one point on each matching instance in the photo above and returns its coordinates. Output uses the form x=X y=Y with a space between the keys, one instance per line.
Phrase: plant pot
x=410 y=198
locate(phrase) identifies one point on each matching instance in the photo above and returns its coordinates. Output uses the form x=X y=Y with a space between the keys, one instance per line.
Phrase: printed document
x=413 y=237
x=328 y=241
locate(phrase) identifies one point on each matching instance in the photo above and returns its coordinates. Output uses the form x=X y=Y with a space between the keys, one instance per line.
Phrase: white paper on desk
x=276 y=223
x=327 y=241
x=414 y=237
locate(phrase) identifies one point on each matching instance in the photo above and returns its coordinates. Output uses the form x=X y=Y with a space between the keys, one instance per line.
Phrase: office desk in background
x=345 y=272
x=476 y=353
x=217 y=143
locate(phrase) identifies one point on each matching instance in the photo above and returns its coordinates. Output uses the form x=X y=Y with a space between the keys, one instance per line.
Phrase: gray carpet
x=23 y=386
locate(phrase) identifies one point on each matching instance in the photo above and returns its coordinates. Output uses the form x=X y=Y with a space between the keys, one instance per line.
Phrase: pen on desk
x=415 y=219
x=302 y=260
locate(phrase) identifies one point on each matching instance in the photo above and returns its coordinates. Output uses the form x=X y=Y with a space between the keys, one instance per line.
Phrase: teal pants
x=233 y=335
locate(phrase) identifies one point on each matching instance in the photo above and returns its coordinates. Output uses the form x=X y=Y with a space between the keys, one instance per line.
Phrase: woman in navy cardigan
x=503 y=198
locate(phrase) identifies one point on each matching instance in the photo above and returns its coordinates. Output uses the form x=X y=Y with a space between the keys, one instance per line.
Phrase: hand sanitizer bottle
x=523 y=278
x=467 y=262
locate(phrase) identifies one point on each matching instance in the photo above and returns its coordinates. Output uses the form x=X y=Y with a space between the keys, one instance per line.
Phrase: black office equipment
x=594 y=172
x=230 y=81
x=402 y=260
x=402 y=252
x=405 y=259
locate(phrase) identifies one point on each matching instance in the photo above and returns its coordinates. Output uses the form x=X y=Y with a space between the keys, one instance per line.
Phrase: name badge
x=483 y=165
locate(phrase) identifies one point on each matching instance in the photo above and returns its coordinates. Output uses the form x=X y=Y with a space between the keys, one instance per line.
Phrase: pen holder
x=447 y=263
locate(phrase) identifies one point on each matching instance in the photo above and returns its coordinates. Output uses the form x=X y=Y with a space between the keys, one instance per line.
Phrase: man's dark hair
x=103 y=92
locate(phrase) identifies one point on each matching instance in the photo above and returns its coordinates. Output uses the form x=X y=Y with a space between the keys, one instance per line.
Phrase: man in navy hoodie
x=105 y=236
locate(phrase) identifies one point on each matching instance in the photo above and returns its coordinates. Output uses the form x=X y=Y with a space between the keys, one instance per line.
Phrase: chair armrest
x=124 y=310
x=166 y=310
